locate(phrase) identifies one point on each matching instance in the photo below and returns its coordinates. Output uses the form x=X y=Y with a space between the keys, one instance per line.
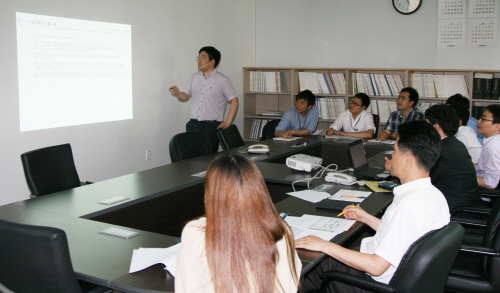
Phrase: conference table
x=163 y=199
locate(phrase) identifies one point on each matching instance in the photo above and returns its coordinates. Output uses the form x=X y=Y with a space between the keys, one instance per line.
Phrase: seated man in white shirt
x=488 y=166
x=418 y=207
x=466 y=134
x=356 y=121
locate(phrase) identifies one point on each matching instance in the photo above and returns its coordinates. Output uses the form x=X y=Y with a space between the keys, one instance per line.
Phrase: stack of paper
x=145 y=257
x=323 y=227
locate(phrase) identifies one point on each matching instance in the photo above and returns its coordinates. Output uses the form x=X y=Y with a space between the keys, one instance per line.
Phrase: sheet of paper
x=145 y=257
x=310 y=195
x=299 y=233
x=303 y=222
x=287 y=139
x=336 y=225
x=200 y=174
x=350 y=195
x=387 y=141
x=303 y=226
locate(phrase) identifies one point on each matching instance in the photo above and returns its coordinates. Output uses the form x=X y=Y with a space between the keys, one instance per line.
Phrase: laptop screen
x=357 y=154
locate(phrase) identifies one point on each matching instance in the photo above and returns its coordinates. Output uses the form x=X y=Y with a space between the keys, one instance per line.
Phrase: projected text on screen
x=72 y=72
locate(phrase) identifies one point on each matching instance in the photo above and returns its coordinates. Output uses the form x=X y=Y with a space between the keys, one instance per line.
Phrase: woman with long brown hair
x=242 y=245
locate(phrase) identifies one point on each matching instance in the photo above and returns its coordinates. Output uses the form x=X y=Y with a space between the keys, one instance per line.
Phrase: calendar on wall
x=467 y=21
x=451 y=33
x=483 y=32
x=452 y=9
x=483 y=8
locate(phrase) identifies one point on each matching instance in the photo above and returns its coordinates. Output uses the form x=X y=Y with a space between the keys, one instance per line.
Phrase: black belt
x=206 y=121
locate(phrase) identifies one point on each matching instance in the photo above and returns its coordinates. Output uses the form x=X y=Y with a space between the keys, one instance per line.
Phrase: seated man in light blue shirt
x=461 y=101
x=300 y=120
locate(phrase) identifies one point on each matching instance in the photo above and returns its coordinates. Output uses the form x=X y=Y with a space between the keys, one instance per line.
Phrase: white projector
x=303 y=162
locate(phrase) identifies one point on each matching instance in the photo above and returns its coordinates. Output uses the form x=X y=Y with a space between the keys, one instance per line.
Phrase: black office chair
x=477 y=267
x=269 y=129
x=188 y=145
x=376 y=121
x=50 y=169
x=35 y=259
x=230 y=137
x=424 y=267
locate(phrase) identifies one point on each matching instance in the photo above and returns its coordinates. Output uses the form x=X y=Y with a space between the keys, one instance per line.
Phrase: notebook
x=359 y=163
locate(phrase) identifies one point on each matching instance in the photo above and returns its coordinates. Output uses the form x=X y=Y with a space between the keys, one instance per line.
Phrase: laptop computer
x=359 y=163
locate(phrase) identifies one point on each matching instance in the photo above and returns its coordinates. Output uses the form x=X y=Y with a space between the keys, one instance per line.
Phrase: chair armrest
x=474 y=210
x=480 y=250
x=468 y=222
x=356 y=281
x=489 y=192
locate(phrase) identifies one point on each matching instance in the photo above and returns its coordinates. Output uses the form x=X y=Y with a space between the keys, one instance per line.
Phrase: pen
x=353 y=196
x=285 y=215
x=343 y=212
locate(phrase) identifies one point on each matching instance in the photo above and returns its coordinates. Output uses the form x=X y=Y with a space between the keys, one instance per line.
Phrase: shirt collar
x=402 y=189
x=486 y=139
x=211 y=73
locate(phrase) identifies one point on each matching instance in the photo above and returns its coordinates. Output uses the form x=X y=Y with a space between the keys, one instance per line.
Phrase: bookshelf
x=285 y=84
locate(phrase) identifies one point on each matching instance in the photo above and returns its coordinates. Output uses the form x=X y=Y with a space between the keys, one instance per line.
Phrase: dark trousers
x=313 y=281
x=208 y=128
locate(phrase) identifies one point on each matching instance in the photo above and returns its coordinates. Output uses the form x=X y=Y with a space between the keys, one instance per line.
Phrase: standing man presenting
x=209 y=91
x=407 y=111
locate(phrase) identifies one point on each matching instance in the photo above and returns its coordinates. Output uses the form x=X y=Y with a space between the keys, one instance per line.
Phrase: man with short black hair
x=461 y=101
x=407 y=111
x=209 y=91
x=453 y=173
x=299 y=120
x=488 y=167
x=418 y=207
x=356 y=121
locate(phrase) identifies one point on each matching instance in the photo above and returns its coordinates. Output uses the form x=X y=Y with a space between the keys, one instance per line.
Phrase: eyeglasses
x=486 y=119
x=355 y=104
x=402 y=98
x=201 y=58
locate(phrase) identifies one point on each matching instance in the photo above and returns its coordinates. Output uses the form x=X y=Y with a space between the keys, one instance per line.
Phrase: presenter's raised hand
x=174 y=91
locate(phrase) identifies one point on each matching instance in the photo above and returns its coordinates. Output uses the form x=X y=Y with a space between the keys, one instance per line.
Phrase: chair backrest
x=51 y=169
x=269 y=129
x=188 y=145
x=35 y=259
x=427 y=263
x=230 y=137
x=376 y=121
x=491 y=239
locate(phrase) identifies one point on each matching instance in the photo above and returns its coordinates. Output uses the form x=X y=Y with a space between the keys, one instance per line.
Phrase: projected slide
x=72 y=71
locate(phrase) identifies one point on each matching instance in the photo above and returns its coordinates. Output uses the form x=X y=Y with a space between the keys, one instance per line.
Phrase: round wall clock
x=406 y=6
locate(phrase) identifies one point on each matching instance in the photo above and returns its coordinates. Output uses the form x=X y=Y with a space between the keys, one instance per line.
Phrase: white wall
x=166 y=37
x=357 y=34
